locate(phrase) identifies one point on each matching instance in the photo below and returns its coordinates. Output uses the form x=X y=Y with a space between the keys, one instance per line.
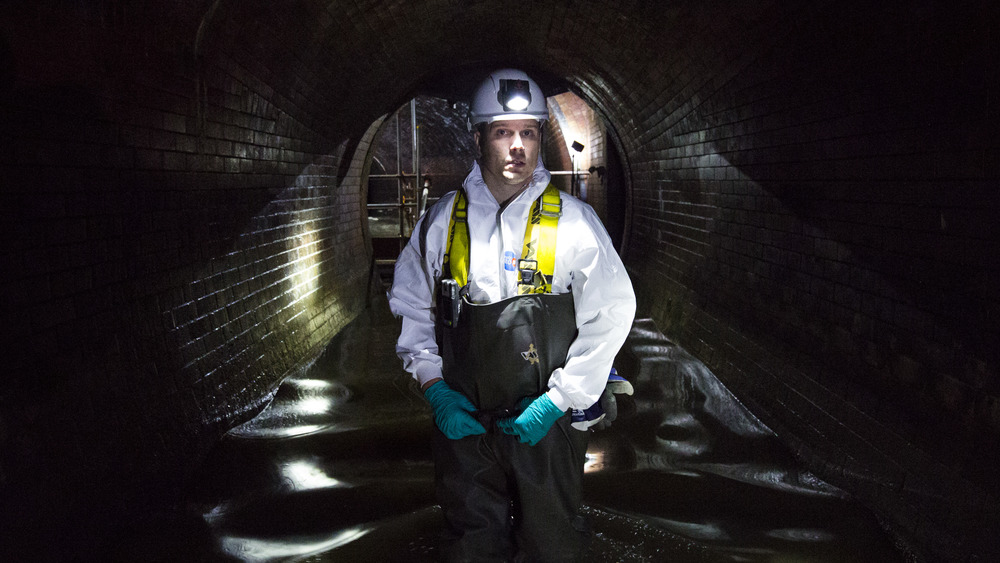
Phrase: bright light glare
x=304 y=260
x=255 y=549
x=594 y=462
x=312 y=384
x=313 y=405
x=517 y=103
x=288 y=432
x=304 y=475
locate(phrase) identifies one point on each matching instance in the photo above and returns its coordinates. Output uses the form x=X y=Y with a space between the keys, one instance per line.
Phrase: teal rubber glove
x=451 y=412
x=534 y=423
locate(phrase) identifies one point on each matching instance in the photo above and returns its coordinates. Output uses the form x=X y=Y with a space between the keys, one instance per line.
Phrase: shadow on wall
x=866 y=191
x=78 y=323
x=829 y=243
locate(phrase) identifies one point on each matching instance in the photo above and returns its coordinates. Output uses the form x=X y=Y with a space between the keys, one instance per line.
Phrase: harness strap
x=459 y=245
x=538 y=257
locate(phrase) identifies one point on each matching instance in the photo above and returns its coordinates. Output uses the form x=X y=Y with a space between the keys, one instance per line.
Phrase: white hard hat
x=507 y=94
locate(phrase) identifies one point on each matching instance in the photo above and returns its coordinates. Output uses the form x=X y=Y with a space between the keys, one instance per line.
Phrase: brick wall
x=574 y=120
x=813 y=214
x=555 y=153
x=813 y=193
x=180 y=232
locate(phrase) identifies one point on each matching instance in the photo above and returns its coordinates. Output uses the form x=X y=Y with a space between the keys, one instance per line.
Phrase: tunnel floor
x=338 y=468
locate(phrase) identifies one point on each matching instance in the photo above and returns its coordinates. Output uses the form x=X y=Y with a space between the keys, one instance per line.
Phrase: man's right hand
x=452 y=412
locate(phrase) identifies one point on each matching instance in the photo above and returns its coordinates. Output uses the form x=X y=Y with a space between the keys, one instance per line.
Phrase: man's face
x=509 y=151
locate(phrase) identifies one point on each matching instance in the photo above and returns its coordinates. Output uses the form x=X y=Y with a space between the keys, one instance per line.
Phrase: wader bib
x=501 y=497
x=502 y=352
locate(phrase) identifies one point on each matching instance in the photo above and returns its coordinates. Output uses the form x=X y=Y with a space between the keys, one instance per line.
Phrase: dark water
x=338 y=468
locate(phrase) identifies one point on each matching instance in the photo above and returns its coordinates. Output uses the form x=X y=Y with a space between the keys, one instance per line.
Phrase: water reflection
x=685 y=419
x=260 y=550
x=338 y=469
x=594 y=462
x=303 y=475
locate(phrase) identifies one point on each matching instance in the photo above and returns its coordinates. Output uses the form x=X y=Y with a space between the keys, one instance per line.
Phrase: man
x=514 y=305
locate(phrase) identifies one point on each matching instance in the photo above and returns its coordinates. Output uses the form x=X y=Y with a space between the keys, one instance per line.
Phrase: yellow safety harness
x=538 y=258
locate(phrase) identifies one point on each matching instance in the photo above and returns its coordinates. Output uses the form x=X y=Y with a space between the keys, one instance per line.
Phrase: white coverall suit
x=586 y=264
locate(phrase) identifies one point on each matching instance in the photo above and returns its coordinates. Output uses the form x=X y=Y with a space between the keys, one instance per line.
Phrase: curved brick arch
x=813 y=211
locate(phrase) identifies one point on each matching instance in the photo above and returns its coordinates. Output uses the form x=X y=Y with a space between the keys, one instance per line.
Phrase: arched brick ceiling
x=346 y=64
x=813 y=189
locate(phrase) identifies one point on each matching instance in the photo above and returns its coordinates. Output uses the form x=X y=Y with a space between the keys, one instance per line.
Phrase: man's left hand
x=534 y=423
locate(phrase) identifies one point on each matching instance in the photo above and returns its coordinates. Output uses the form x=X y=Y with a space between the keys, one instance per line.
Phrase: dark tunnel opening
x=809 y=209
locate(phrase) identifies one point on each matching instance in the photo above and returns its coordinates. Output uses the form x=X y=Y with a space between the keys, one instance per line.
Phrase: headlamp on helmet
x=514 y=95
x=507 y=94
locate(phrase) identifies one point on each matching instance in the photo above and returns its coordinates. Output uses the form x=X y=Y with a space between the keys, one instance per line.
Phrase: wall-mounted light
x=514 y=95
x=573 y=187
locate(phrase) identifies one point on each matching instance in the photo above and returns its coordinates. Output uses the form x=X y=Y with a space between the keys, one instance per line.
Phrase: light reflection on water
x=594 y=462
x=260 y=550
x=338 y=468
x=311 y=384
x=304 y=475
x=313 y=405
x=802 y=535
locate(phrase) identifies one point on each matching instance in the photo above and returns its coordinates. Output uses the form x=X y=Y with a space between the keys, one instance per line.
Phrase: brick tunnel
x=809 y=205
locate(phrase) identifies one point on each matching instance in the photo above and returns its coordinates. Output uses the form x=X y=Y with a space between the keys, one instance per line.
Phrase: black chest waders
x=502 y=352
x=502 y=498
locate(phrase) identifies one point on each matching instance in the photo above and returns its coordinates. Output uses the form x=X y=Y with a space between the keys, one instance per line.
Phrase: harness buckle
x=551 y=209
x=461 y=214
x=527 y=268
